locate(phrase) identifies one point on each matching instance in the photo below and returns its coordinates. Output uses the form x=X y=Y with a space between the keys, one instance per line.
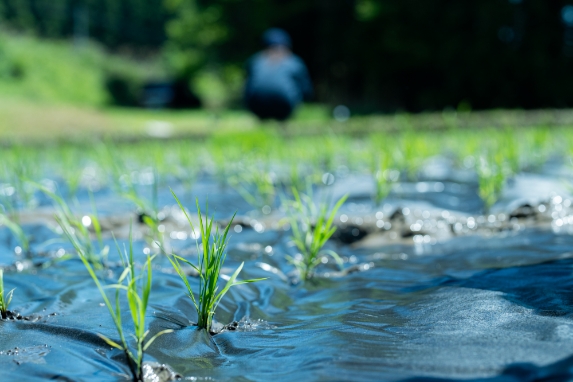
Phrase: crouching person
x=277 y=80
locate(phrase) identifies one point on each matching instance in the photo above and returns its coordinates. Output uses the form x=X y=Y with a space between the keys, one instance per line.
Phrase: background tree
x=373 y=55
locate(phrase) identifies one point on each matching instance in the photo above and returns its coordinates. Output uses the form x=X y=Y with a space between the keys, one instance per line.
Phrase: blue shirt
x=286 y=77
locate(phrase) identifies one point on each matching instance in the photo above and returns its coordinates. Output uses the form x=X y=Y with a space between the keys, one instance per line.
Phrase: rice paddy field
x=391 y=251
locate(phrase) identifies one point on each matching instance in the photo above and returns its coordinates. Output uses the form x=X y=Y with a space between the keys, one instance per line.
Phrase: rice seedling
x=64 y=215
x=327 y=153
x=293 y=178
x=383 y=176
x=125 y=185
x=148 y=210
x=465 y=147
x=185 y=167
x=416 y=147
x=212 y=255
x=256 y=185
x=228 y=150
x=17 y=231
x=450 y=119
x=510 y=151
x=137 y=288
x=539 y=143
x=312 y=226
x=491 y=179
x=5 y=297
x=70 y=169
x=20 y=167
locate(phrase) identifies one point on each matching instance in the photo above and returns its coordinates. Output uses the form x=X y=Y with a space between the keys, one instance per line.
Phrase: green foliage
x=105 y=20
x=5 y=297
x=137 y=287
x=83 y=76
x=64 y=75
x=219 y=87
x=367 y=10
x=192 y=33
x=311 y=227
x=212 y=255
x=370 y=54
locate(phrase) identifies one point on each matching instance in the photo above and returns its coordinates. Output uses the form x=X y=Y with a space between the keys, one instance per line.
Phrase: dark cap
x=276 y=36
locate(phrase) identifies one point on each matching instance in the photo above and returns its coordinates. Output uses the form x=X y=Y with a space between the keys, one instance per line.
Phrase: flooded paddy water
x=433 y=283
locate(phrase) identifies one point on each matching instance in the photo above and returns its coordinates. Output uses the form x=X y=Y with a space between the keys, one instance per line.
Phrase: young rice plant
x=137 y=287
x=5 y=297
x=491 y=180
x=16 y=230
x=82 y=236
x=311 y=227
x=211 y=256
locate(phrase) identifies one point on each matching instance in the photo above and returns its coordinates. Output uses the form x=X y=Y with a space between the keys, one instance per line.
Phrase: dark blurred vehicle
x=172 y=95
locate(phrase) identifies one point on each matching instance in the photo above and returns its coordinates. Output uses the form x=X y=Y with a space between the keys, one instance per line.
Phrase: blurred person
x=277 y=80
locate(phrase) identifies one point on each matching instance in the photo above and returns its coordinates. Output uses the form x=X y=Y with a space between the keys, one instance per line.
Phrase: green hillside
x=50 y=71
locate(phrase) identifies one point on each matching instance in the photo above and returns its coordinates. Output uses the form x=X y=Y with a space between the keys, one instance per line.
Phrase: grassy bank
x=26 y=121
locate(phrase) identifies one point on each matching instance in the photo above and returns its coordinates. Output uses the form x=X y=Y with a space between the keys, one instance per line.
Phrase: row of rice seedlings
x=5 y=297
x=137 y=285
x=311 y=226
x=258 y=189
x=137 y=288
x=319 y=155
x=211 y=258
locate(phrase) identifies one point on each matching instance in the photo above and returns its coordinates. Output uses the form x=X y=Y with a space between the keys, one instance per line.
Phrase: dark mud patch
x=15 y=316
x=157 y=372
x=243 y=325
